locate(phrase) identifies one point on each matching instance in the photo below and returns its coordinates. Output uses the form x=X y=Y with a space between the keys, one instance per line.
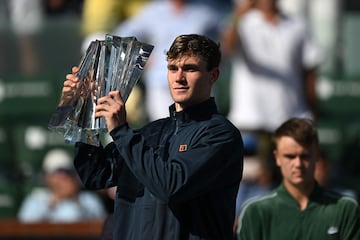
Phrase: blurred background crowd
x=40 y=40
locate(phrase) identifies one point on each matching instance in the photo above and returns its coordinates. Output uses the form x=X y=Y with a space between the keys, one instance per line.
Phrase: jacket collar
x=314 y=196
x=197 y=112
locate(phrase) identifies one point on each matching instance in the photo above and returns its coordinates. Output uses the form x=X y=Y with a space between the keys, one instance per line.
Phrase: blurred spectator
x=223 y=7
x=158 y=23
x=62 y=199
x=274 y=61
x=99 y=18
x=256 y=181
x=63 y=7
x=26 y=19
x=257 y=176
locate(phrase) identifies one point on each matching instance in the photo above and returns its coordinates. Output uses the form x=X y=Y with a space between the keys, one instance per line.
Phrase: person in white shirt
x=273 y=67
x=62 y=199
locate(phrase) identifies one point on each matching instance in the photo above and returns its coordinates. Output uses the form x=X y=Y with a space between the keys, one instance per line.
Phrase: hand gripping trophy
x=115 y=63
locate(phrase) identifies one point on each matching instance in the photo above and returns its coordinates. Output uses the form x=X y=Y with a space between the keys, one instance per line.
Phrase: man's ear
x=275 y=153
x=215 y=74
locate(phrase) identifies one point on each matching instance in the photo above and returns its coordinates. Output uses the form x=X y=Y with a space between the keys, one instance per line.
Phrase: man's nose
x=180 y=75
x=298 y=161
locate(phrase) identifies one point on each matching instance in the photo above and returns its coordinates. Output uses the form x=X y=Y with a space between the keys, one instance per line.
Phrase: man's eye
x=290 y=156
x=172 y=68
x=190 y=69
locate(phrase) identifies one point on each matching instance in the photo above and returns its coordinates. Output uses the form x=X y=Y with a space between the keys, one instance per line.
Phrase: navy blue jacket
x=176 y=178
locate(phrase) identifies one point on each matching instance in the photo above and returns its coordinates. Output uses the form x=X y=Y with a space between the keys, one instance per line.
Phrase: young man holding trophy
x=177 y=177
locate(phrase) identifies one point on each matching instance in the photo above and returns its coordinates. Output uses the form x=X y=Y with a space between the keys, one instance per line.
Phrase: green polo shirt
x=277 y=216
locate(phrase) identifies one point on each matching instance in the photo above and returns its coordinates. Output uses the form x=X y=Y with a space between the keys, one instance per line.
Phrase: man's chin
x=180 y=100
x=298 y=181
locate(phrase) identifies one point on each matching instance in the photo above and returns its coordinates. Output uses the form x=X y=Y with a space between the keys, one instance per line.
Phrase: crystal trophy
x=115 y=63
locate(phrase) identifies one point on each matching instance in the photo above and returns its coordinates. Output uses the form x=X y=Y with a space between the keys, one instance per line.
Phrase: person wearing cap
x=299 y=208
x=62 y=199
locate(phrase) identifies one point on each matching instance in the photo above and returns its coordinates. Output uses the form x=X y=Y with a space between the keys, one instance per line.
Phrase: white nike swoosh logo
x=332 y=230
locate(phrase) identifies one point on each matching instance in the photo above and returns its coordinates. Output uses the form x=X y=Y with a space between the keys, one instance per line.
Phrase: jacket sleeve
x=249 y=224
x=352 y=220
x=97 y=167
x=213 y=160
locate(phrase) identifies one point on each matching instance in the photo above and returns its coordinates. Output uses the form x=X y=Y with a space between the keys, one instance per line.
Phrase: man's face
x=297 y=163
x=62 y=184
x=189 y=81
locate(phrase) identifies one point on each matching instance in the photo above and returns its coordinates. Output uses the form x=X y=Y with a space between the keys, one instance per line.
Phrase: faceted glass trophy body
x=115 y=63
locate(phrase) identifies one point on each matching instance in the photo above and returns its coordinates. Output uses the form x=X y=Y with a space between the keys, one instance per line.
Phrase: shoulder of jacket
x=261 y=202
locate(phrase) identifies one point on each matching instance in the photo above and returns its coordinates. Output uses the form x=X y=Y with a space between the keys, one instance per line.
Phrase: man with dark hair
x=177 y=177
x=299 y=208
